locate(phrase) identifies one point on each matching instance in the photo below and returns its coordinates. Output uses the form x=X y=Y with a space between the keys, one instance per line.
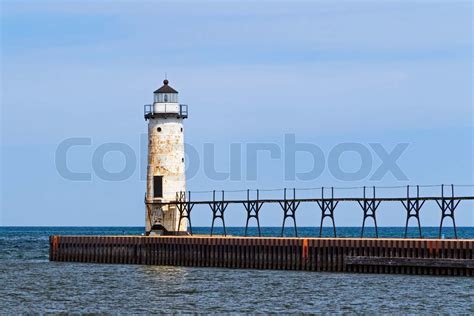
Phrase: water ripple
x=32 y=284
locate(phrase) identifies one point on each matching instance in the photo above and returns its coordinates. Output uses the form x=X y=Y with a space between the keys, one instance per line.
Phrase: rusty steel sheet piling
x=364 y=255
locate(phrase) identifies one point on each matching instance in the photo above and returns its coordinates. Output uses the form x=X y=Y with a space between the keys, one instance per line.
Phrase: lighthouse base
x=159 y=230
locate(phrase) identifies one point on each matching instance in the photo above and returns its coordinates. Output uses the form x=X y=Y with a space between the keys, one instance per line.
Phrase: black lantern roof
x=165 y=88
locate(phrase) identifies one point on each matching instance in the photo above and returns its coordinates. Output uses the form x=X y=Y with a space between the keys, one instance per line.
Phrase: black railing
x=149 y=111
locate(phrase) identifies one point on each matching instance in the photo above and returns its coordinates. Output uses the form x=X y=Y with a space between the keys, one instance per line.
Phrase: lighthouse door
x=157 y=186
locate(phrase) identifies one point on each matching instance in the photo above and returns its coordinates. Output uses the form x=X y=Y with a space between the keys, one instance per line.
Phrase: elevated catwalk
x=365 y=255
x=289 y=203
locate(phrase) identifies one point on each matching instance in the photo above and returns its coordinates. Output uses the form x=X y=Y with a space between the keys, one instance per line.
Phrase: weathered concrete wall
x=407 y=256
x=165 y=158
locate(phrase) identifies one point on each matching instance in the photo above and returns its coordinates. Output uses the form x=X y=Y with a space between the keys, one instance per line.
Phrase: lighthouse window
x=181 y=129
x=166 y=97
x=159 y=129
x=158 y=186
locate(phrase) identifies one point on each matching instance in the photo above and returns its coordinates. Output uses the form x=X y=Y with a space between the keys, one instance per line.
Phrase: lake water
x=30 y=283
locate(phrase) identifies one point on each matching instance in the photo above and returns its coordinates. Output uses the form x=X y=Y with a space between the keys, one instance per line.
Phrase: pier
x=366 y=255
x=363 y=255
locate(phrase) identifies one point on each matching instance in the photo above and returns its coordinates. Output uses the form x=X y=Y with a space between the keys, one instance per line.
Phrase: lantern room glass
x=166 y=97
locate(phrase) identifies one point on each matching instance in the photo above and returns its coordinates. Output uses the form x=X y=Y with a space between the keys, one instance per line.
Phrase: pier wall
x=365 y=255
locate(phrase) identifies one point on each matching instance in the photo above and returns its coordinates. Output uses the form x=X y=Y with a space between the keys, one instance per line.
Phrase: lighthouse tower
x=165 y=171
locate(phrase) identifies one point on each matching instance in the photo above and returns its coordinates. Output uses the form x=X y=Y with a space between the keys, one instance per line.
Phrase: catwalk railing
x=326 y=202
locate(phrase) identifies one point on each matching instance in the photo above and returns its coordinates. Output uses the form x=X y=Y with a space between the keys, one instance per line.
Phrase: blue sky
x=329 y=72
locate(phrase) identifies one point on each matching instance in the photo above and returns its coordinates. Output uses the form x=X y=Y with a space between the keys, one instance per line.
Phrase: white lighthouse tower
x=166 y=169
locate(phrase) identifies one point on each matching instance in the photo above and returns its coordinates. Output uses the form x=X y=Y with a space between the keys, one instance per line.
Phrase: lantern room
x=166 y=94
x=165 y=103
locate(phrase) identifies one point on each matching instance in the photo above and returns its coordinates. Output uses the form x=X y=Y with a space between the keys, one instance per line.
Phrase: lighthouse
x=166 y=168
